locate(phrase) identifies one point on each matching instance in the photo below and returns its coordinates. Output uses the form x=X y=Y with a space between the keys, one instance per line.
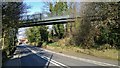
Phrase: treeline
x=37 y=35
x=11 y=12
x=98 y=24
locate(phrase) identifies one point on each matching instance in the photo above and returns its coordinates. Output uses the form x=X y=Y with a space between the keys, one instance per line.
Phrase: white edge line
x=85 y=60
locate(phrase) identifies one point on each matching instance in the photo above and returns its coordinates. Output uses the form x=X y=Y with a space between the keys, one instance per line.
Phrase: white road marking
x=85 y=60
x=52 y=61
x=58 y=63
x=81 y=59
x=55 y=63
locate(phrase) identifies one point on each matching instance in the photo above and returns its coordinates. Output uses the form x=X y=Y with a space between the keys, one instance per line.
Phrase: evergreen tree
x=11 y=12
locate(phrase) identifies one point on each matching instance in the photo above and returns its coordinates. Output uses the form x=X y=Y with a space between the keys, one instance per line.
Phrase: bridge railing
x=39 y=17
x=34 y=17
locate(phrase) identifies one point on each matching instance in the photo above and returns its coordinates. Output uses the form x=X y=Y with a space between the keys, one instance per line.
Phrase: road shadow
x=34 y=61
x=24 y=58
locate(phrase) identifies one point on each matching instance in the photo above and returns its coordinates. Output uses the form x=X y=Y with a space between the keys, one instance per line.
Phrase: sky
x=35 y=7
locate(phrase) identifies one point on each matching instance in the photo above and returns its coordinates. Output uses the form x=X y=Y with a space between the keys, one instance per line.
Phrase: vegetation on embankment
x=101 y=52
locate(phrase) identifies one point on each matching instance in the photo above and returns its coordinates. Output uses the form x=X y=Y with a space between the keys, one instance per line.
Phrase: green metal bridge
x=39 y=19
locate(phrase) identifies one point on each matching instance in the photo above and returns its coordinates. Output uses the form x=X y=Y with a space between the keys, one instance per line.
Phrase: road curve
x=34 y=57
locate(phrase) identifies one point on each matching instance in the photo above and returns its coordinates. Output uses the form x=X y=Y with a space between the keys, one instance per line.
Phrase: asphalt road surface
x=27 y=56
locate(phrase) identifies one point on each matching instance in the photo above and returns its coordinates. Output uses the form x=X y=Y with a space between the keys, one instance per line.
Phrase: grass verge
x=76 y=51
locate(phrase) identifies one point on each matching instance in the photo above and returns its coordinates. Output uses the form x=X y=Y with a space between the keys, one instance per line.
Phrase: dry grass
x=61 y=48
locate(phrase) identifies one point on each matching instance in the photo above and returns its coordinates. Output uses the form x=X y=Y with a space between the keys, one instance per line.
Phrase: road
x=34 y=57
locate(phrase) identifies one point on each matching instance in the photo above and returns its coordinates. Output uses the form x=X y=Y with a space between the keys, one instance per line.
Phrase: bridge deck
x=37 y=20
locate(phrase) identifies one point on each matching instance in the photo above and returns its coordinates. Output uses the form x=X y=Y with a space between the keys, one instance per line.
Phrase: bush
x=40 y=44
x=104 y=47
